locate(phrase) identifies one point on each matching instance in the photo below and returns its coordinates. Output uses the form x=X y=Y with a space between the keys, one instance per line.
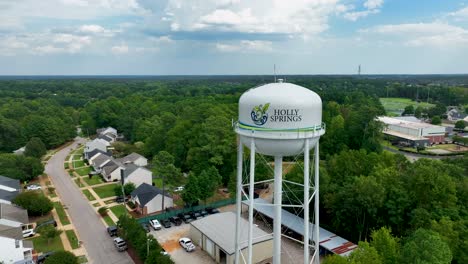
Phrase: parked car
x=155 y=224
x=203 y=213
x=166 y=223
x=187 y=244
x=121 y=199
x=195 y=215
x=212 y=210
x=120 y=244
x=179 y=189
x=175 y=220
x=33 y=187
x=49 y=222
x=43 y=257
x=145 y=227
x=28 y=233
x=112 y=230
x=185 y=217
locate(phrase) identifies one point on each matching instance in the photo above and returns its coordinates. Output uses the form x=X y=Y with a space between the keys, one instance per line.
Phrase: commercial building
x=415 y=133
x=216 y=235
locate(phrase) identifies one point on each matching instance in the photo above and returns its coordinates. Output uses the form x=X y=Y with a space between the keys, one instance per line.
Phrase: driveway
x=91 y=230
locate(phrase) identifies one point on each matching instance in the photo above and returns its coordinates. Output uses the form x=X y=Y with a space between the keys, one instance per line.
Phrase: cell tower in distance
x=359 y=70
x=279 y=119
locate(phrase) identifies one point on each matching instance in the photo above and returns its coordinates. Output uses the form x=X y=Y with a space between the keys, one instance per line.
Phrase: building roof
x=404 y=123
x=11 y=232
x=9 y=182
x=214 y=227
x=13 y=213
x=20 y=151
x=106 y=130
x=408 y=118
x=328 y=240
x=110 y=167
x=105 y=137
x=8 y=196
x=131 y=158
x=94 y=152
x=101 y=159
x=146 y=193
x=131 y=168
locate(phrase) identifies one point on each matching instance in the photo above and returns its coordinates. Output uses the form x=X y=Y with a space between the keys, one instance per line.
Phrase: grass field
x=397 y=105
x=83 y=171
x=96 y=179
x=65 y=165
x=88 y=195
x=105 y=191
x=79 y=183
x=108 y=220
x=72 y=238
x=118 y=210
x=78 y=163
x=42 y=245
x=61 y=213
x=76 y=157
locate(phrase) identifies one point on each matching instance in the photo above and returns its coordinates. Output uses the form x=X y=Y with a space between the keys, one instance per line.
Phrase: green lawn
x=158 y=182
x=88 y=195
x=76 y=157
x=83 y=171
x=108 y=220
x=61 y=213
x=82 y=259
x=118 y=210
x=79 y=151
x=397 y=105
x=70 y=172
x=105 y=191
x=42 y=245
x=78 y=163
x=79 y=182
x=72 y=238
x=96 y=179
x=65 y=165
x=96 y=205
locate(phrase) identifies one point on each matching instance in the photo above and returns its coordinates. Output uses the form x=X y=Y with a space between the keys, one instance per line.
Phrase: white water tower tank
x=280 y=116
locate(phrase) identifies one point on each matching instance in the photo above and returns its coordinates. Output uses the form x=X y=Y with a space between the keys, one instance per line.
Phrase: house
x=111 y=171
x=13 y=216
x=455 y=114
x=137 y=175
x=107 y=138
x=97 y=143
x=214 y=235
x=148 y=199
x=89 y=155
x=99 y=161
x=19 y=151
x=109 y=131
x=134 y=158
x=12 y=246
x=9 y=189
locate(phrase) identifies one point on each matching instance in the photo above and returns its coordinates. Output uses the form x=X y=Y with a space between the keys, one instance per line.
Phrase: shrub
x=35 y=202
x=62 y=257
x=103 y=211
x=131 y=204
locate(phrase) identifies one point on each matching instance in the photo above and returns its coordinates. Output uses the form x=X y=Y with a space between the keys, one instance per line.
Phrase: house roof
x=131 y=168
x=11 y=232
x=214 y=227
x=146 y=193
x=106 y=138
x=106 y=130
x=101 y=159
x=9 y=182
x=8 y=196
x=13 y=213
x=130 y=158
x=110 y=167
x=94 y=152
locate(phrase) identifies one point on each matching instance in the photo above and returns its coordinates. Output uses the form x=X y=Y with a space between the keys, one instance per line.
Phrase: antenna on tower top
x=359 y=70
x=274 y=71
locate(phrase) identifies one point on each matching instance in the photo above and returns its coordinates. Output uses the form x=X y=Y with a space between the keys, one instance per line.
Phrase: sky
x=212 y=37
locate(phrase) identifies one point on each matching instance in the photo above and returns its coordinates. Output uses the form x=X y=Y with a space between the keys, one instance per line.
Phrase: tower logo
x=259 y=114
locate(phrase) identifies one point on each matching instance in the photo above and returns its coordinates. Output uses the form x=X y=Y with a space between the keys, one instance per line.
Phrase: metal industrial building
x=416 y=133
x=216 y=235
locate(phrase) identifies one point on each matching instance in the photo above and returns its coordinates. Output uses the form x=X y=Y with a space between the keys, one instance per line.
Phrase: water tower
x=279 y=119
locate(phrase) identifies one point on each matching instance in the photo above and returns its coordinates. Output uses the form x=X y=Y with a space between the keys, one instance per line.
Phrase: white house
x=12 y=215
x=110 y=131
x=9 y=189
x=148 y=199
x=111 y=171
x=89 y=155
x=12 y=246
x=134 y=158
x=97 y=143
x=137 y=175
x=100 y=161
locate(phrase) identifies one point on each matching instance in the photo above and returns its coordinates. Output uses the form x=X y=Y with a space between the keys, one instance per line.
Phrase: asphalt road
x=91 y=230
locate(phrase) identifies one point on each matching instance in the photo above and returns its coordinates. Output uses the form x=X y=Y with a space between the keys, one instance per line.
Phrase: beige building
x=216 y=235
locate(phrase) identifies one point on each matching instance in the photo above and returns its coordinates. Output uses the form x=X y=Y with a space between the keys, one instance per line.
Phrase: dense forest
x=184 y=125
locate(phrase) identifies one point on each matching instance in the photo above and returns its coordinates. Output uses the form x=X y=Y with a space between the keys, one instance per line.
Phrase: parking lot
x=169 y=240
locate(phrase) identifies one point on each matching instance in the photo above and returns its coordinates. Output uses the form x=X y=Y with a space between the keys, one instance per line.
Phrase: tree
x=425 y=247
x=409 y=110
x=128 y=189
x=206 y=186
x=35 y=148
x=418 y=112
x=191 y=193
x=163 y=167
x=386 y=245
x=365 y=254
x=20 y=167
x=460 y=124
x=35 y=202
x=62 y=257
x=335 y=259
x=436 y=120
x=49 y=232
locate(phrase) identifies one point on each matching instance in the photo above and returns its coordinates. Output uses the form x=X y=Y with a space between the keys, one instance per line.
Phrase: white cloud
x=122 y=49
x=96 y=30
x=162 y=40
x=373 y=4
x=246 y=46
x=354 y=16
x=371 y=7
x=48 y=49
x=460 y=15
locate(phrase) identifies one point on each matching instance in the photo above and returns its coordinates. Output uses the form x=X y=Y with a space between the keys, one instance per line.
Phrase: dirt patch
x=171 y=245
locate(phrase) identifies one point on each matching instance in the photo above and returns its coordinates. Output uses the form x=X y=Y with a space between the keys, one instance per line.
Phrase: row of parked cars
x=179 y=219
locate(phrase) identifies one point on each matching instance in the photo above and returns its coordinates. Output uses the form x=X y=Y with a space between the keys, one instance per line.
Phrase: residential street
x=91 y=230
